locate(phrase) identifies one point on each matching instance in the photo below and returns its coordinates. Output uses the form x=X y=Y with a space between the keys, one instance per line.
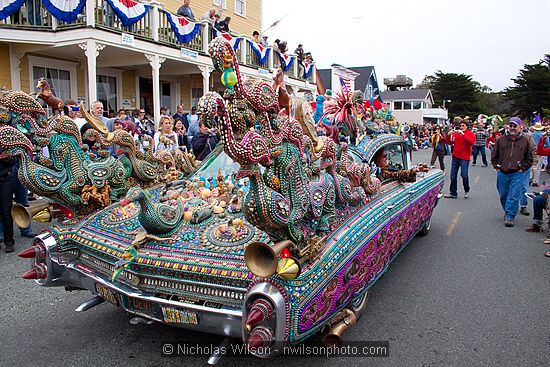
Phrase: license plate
x=107 y=294
x=176 y=316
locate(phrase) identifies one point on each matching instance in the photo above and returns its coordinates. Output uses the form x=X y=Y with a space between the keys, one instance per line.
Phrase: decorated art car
x=197 y=276
x=277 y=235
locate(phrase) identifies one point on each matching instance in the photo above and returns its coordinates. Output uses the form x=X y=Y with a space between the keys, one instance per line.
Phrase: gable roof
x=361 y=80
x=407 y=94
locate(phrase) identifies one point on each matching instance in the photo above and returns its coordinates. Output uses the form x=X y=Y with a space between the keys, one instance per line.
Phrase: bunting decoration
x=260 y=51
x=65 y=10
x=307 y=69
x=8 y=7
x=233 y=41
x=184 y=29
x=128 y=11
x=286 y=61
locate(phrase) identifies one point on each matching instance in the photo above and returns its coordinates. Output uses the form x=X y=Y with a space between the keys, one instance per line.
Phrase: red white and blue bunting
x=128 y=11
x=286 y=61
x=184 y=29
x=65 y=10
x=308 y=68
x=260 y=51
x=233 y=41
x=8 y=7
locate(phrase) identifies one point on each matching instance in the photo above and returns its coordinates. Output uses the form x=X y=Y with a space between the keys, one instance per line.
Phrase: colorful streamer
x=8 y=7
x=286 y=61
x=260 y=51
x=308 y=68
x=65 y=10
x=128 y=11
x=233 y=41
x=184 y=29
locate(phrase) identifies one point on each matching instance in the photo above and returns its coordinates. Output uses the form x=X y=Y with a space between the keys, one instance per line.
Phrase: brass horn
x=344 y=320
x=289 y=268
x=261 y=258
x=40 y=212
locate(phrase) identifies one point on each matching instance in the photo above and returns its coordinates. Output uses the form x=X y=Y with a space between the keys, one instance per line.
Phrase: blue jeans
x=524 y=189
x=509 y=186
x=455 y=165
x=539 y=203
x=479 y=149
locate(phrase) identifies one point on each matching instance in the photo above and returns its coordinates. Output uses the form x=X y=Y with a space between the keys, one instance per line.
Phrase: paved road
x=471 y=293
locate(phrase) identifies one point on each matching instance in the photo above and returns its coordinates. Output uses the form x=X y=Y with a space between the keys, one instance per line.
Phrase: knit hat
x=516 y=120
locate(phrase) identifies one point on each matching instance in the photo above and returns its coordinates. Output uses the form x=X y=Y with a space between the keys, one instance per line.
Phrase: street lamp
x=446 y=100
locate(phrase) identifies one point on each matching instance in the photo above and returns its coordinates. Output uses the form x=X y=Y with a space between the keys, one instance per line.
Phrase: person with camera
x=512 y=157
x=462 y=140
x=438 y=140
x=204 y=142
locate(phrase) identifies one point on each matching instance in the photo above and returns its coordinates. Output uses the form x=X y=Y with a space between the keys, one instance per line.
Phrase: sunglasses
x=513 y=125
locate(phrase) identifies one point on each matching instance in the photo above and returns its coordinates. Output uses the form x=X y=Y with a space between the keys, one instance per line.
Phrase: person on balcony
x=211 y=17
x=263 y=42
x=185 y=10
x=223 y=26
x=299 y=52
x=256 y=37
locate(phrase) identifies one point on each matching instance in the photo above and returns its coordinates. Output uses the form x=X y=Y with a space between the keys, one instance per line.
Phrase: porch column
x=155 y=61
x=90 y=13
x=15 y=68
x=91 y=49
x=206 y=71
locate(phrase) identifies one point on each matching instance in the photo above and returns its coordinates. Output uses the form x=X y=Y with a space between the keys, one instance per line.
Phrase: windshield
x=215 y=161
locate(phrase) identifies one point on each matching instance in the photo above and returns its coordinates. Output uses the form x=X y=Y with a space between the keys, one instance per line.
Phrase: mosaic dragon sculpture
x=56 y=164
x=295 y=197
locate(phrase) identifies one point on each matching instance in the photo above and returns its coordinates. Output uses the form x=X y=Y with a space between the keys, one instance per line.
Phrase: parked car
x=197 y=277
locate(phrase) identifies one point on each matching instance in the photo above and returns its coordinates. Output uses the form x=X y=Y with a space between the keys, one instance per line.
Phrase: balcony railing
x=154 y=26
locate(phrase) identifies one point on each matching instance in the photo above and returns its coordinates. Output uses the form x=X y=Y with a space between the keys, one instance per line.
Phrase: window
x=196 y=94
x=107 y=92
x=240 y=7
x=58 y=79
x=407 y=105
x=398 y=105
x=61 y=76
x=220 y=3
x=417 y=105
x=395 y=157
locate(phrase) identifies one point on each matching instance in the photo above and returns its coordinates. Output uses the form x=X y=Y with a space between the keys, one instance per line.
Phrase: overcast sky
x=488 y=39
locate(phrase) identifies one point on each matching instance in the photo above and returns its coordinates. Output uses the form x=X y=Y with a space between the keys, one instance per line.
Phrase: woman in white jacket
x=166 y=138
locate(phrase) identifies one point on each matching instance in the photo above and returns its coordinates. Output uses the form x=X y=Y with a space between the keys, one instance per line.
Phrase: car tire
x=359 y=305
x=425 y=228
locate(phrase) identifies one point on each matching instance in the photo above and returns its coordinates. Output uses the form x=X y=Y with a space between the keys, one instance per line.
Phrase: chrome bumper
x=222 y=321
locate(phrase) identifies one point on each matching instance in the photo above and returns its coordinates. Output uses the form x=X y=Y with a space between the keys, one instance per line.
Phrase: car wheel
x=358 y=305
x=425 y=228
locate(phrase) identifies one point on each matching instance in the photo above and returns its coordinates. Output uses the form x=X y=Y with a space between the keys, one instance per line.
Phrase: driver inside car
x=385 y=173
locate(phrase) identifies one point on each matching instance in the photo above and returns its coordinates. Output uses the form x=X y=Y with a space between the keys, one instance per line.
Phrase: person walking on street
x=538 y=160
x=462 y=140
x=511 y=157
x=438 y=140
x=479 y=145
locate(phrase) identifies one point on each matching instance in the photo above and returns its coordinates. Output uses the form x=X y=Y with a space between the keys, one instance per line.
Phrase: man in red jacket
x=462 y=139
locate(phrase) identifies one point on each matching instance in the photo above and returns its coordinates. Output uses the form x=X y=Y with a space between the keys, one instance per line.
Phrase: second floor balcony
x=153 y=27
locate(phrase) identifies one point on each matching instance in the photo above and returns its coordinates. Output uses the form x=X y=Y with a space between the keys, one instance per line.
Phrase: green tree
x=460 y=89
x=531 y=90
